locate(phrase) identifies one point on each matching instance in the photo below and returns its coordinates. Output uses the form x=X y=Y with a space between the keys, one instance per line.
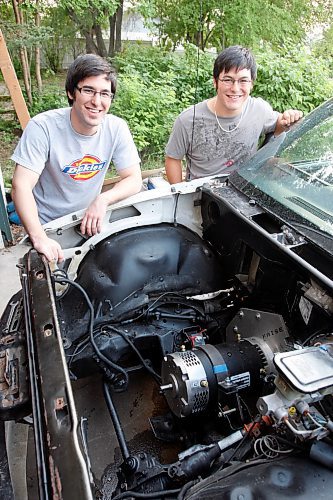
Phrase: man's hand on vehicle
x=290 y=116
x=286 y=119
x=93 y=218
x=48 y=247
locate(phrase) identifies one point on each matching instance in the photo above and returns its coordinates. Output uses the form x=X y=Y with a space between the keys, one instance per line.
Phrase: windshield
x=293 y=175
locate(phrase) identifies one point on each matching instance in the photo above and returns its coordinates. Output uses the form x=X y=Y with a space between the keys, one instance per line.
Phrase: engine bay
x=212 y=325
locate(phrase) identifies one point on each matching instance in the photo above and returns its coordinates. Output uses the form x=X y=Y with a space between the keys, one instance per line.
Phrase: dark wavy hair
x=88 y=65
x=235 y=57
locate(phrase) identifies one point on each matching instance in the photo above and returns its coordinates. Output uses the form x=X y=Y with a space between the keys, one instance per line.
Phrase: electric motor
x=194 y=380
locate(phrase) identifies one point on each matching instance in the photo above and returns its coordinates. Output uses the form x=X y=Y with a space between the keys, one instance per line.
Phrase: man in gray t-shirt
x=218 y=135
x=63 y=155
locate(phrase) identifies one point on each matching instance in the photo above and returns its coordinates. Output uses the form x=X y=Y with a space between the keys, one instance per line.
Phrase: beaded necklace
x=219 y=124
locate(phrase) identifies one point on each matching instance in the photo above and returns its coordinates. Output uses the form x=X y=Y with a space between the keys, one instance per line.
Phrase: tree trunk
x=23 y=52
x=112 y=24
x=91 y=47
x=26 y=73
x=37 y=55
x=37 y=70
x=119 y=20
x=100 y=42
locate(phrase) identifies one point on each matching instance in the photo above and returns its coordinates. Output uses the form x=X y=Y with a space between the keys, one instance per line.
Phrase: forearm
x=130 y=183
x=280 y=127
x=122 y=189
x=26 y=208
x=173 y=168
x=286 y=119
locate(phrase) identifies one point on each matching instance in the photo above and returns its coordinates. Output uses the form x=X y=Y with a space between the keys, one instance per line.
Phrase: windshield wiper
x=312 y=176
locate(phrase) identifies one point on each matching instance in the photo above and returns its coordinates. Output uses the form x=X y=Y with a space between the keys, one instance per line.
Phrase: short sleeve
x=178 y=142
x=271 y=117
x=125 y=153
x=32 y=151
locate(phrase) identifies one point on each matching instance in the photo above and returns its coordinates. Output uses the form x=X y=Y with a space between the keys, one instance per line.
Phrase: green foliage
x=155 y=85
x=28 y=35
x=212 y=23
x=63 y=39
x=324 y=47
x=6 y=128
x=99 y=8
x=149 y=110
x=89 y=17
x=51 y=98
x=151 y=63
x=9 y=133
x=192 y=75
x=189 y=73
x=292 y=78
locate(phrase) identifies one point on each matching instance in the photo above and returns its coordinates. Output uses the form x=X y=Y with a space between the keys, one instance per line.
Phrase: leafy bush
x=192 y=76
x=154 y=86
x=323 y=48
x=149 y=109
x=189 y=74
x=52 y=97
x=292 y=79
x=150 y=62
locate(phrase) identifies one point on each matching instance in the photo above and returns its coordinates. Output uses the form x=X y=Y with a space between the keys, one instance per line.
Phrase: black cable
x=240 y=409
x=100 y=355
x=290 y=443
x=84 y=343
x=60 y=273
x=177 y=294
x=80 y=347
x=155 y=494
x=116 y=422
x=175 y=210
x=137 y=292
x=242 y=441
x=137 y=352
x=234 y=469
x=186 y=487
x=321 y=331
x=241 y=400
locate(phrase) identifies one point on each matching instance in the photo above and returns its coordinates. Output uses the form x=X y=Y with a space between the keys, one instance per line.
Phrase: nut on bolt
x=204 y=383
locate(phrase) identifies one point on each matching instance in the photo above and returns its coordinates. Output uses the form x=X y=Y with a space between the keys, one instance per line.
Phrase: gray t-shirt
x=198 y=135
x=71 y=166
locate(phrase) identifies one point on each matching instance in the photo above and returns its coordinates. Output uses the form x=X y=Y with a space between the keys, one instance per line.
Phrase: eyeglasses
x=89 y=92
x=229 y=82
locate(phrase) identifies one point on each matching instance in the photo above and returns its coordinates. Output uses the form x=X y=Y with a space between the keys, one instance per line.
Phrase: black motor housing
x=194 y=380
